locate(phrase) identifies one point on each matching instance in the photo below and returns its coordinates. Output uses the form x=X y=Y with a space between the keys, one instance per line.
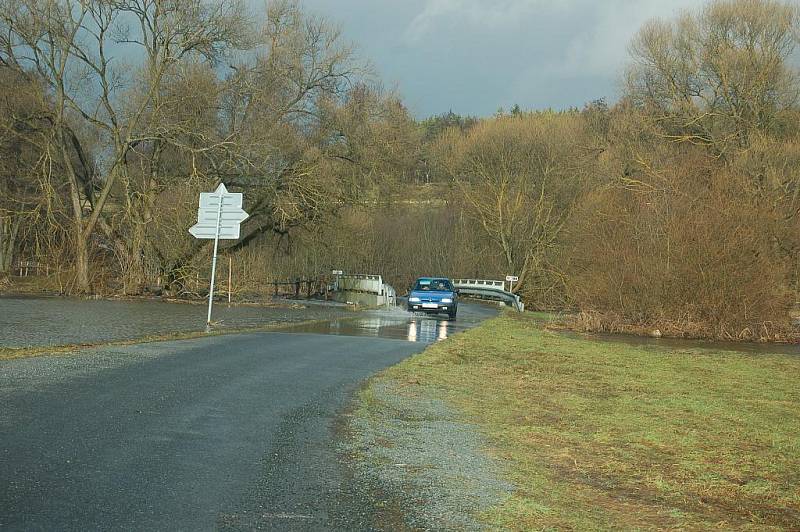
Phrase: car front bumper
x=431 y=307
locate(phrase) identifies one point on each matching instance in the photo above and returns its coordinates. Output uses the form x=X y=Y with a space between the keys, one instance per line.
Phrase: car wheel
x=451 y=315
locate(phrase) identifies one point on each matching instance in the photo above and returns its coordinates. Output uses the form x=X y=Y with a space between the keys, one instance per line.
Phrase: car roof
x=433 y=279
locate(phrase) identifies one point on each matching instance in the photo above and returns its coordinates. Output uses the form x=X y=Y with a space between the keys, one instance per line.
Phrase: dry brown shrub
x=696 y=255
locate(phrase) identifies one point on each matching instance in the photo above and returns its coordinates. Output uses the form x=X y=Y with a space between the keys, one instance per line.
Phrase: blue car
x=433 y=295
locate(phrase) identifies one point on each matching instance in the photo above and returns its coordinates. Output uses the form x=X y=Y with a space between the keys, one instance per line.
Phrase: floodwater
x=41 y=322
x=399 y=324
x=36 y=322
x=678 y=344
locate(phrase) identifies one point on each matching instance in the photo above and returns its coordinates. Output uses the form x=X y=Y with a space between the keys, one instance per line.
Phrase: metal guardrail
x=481 y=283
x=489 y=288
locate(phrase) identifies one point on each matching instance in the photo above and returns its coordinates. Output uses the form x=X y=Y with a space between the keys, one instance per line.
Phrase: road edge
x=426 y=464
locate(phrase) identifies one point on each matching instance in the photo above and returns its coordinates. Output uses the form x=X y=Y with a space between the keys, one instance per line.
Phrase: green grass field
x=599 y=435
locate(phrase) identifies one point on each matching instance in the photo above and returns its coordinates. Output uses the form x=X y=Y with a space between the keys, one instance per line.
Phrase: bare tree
x=272 y=110
x=717 y=76
x=20 y=154
x=518 y=177
x=74 y=46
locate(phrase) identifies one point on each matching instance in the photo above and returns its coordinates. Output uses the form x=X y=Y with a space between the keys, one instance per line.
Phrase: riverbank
x=787 y=330
x=604 y=435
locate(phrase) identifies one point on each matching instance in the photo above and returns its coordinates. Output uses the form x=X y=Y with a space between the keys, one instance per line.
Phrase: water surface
x=29 y=322
x=399 y=324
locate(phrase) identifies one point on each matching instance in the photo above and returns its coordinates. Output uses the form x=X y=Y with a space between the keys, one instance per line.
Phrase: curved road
x=227 y=432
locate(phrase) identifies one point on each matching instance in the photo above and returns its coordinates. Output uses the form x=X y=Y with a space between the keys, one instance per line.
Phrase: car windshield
x=442 y=285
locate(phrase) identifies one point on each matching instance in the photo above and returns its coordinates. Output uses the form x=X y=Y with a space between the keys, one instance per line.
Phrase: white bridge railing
x=480 y=282
x=489 y=289
x=370 y=284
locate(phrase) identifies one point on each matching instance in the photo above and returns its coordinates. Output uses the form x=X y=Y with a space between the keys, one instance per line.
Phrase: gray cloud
x=473 y=56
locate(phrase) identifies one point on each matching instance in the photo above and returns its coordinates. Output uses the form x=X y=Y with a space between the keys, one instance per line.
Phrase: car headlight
x=413 y=299
x=447 y=300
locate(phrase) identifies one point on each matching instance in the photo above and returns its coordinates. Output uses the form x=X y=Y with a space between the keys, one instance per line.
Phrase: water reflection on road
x=427 y=331
x=28 y=322
x=402 y=325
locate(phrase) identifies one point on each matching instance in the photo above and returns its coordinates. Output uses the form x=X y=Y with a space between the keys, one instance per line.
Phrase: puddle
x=399 y=324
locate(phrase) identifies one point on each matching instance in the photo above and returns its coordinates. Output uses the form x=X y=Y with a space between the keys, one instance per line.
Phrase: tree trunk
x=82 y=265
x=8 y=234
x=134 y=274
x=81 y=237
x=140 y=215
x=82 y=227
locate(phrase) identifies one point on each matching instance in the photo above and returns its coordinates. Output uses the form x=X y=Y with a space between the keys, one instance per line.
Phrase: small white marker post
x=219 y=217
x=230 y=277
x=511 y=279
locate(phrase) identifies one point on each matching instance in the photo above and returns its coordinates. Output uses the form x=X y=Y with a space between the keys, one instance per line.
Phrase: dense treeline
x=132 y=107
x=676 y=208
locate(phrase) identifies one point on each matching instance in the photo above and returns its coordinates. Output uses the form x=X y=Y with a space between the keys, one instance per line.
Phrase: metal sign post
x=214 y=265
x=218 y=216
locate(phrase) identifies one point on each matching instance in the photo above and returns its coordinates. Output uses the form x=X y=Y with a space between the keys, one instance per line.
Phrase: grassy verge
x=609 y=436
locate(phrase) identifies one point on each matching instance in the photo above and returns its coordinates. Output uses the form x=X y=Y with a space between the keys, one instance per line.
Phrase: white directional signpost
x=511 y=280
x=219 y=217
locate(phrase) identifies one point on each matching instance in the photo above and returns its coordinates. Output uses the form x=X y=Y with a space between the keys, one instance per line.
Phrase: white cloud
x=602 y=47
x=469 y=16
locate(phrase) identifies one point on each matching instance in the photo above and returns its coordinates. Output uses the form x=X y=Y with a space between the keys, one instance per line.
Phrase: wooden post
x=276 y=288
x=297 y=289
x=230 y=277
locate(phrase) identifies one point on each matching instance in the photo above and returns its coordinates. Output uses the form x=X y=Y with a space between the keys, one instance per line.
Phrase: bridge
x=365 y=289
x=370 y=290
x=489 y=289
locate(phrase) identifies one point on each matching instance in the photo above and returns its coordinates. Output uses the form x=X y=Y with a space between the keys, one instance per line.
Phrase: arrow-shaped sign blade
x=227 y=216
x=209 y=231
x=210 y=200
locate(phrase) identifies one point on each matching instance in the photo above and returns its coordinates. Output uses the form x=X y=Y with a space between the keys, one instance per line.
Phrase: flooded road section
x=39 y=322
x=400 y=324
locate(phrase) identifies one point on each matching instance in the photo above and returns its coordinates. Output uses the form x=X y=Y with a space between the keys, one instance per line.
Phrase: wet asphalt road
x=233 y=432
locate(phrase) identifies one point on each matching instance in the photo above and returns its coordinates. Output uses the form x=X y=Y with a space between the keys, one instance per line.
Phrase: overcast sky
x=473 y=56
